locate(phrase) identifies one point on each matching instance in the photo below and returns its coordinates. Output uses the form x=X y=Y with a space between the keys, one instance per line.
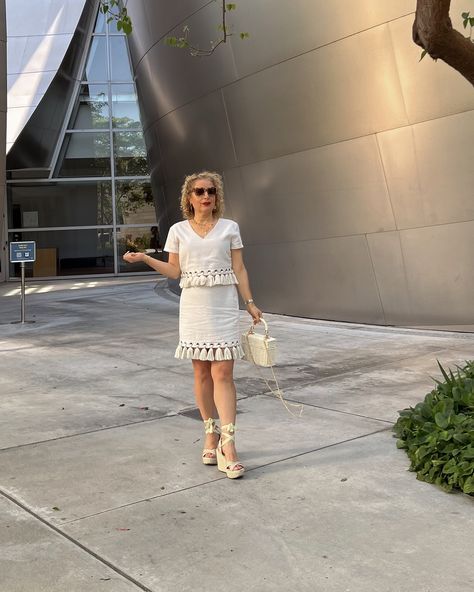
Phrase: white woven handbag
x=259 y=349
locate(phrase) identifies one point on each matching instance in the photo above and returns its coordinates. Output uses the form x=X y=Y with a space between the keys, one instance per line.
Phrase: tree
x=225 y=32
x=433 y=31
x=116 y=11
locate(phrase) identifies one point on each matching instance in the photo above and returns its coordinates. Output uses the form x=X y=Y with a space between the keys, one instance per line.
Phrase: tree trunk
x=433 y=31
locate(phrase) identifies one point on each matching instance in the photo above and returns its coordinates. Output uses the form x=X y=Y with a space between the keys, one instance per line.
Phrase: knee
x=202 y=371
x=222 y=372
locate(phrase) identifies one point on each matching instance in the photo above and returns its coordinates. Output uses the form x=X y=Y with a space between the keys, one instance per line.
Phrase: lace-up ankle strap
x=210 y=426
x=227 y=433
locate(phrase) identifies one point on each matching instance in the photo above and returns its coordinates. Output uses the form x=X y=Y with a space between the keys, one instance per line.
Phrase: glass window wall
x=135 y=202
x=85 y=154
x=69 y=252
x=96 y=67
x=98 y=202
x=121 y=70
x=92 y=108
x=138 y=239
x=130 y=154
x=56 y=204
x=125 y=111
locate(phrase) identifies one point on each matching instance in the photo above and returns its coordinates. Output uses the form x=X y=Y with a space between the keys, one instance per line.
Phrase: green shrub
x=438 y=434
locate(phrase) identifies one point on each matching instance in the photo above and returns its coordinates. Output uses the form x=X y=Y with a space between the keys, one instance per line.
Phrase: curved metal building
x=347 y=163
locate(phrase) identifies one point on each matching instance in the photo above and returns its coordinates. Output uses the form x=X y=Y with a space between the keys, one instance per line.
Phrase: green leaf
x=471 y=21
x=468 y=486
x=127 y=27
x=465 y=15
x=442 y=420
x=244 y=35
x=231 y=6
x=443 y=372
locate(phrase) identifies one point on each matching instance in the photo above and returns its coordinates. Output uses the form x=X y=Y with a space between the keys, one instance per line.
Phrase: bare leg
x=225 y=399
x=204 y=393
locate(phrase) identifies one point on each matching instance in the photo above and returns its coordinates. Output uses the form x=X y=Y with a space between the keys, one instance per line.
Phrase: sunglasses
x=200 y=191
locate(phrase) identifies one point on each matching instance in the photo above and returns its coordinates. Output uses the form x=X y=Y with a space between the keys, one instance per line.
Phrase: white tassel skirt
x=209 y=324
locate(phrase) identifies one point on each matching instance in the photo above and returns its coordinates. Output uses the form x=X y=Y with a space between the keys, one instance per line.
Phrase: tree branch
x=433 y=31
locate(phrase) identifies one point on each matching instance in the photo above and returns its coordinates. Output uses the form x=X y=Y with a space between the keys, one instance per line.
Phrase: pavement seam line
x=374 y=367
x=274 y=462
x=174 y=414
x=104 y=429
x=267 y=394
x=121 y=425
x=75 y=542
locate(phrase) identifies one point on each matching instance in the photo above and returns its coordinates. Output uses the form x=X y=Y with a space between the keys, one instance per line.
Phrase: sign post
x=21 y=252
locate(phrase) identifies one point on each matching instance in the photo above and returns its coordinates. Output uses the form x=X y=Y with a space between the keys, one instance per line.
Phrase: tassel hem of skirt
x=209 y=354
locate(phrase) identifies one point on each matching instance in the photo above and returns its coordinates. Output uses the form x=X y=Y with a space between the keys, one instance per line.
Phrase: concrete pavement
x=101 y=485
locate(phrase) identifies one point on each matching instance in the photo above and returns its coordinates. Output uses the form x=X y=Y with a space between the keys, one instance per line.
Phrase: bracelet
x=250 y=301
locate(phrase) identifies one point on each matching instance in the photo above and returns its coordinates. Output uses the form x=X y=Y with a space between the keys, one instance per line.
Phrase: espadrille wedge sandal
x=209 y=455
x=233 y=469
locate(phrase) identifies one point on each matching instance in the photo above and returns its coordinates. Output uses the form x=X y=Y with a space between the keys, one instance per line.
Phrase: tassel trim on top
x=209 y=354
x=218 y=277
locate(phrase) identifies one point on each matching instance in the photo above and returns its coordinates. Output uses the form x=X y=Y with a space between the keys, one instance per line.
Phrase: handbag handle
x=265 y=324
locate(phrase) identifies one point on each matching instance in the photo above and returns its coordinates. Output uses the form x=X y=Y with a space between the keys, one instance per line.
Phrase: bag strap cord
x=278 y=392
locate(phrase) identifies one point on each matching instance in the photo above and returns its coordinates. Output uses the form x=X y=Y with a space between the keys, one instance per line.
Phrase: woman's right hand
x=130 y=257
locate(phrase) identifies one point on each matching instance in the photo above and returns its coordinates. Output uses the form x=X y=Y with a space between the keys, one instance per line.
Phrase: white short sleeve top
x=205 y=261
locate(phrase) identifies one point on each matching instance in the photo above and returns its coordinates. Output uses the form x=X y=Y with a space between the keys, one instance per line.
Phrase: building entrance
x=95 y=200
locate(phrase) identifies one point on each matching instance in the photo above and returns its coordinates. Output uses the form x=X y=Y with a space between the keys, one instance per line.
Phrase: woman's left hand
x=254 y=312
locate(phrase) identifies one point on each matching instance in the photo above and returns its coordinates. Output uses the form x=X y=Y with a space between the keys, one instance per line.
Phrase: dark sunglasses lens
x=201 y=191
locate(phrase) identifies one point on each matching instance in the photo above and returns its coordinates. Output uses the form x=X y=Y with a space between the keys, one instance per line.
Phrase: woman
x=205 y=250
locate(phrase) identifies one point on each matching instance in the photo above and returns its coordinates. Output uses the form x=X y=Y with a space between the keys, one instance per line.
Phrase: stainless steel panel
x=234 y=197
x=438 y=264
x=42 y=54
x=17 y=117
x=429 y=171
x=43 y=16
x=194 y=136
x=16 y=50
x=326 y=279
x=168 y=78
x=170 y=211
x=23 y=101
x=341 y=91
x=35 y=144
x=3 y=26
x=331 y=191
x=27 y=84
x=430 y=89
x=279 y=31
x=155 y=159
x=389 y=265
x=3 y=123
x=3 y=78
x=154 y=19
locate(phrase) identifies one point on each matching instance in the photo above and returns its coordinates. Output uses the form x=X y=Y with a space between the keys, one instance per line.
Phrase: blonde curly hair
x=188 y=185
